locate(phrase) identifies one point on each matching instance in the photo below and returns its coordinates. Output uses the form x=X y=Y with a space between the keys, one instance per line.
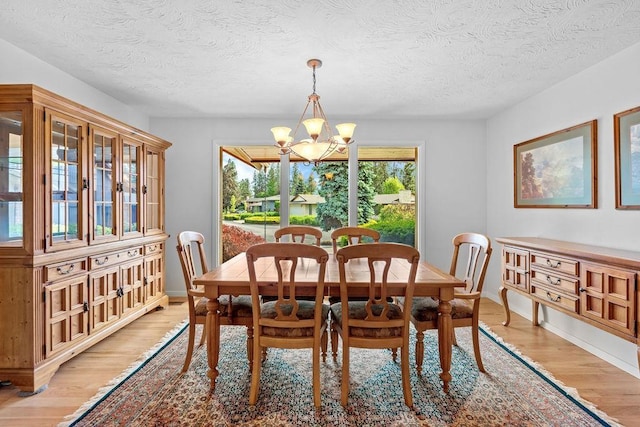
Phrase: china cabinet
x=82 y=234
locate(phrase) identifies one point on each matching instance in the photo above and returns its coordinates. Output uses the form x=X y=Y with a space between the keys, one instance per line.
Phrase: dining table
x=232 y=278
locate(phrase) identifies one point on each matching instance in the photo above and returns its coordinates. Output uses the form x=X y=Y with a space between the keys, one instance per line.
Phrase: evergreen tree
x=259 y=184
x=409 y=176
x=380 y=174
x=273 y=180
x=229 y=184
x=334 y=187
x=296 y=183
x=312 y=185
x=244 y=190
x=366 y=191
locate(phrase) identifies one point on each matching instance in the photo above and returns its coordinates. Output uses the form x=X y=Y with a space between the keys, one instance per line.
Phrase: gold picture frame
x=558 y=170
x=626 y=130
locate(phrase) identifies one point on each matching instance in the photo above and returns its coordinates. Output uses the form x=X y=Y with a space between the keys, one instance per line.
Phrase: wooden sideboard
x=595 y=284
x=82 y=234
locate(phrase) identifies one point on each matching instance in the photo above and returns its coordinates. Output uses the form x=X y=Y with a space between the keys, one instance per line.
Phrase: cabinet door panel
x=515 y=268
x=103 y=196
x=130 y=188
x=105 y=302
x=607 y=296
x=154 y=277
x=65 y=313
x=66 y=181
x=131 y=285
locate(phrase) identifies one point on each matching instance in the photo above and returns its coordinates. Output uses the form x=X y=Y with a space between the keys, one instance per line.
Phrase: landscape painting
x=627 y=157
x=557 y=170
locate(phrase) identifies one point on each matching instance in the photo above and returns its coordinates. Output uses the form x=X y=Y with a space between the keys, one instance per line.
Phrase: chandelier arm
x=295 y=132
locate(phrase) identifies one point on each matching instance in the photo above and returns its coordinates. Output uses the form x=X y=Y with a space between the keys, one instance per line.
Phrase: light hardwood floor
x=611 y=389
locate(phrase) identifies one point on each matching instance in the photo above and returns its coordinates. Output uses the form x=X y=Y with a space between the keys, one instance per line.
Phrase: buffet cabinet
x=82 y=235
x=594 y=284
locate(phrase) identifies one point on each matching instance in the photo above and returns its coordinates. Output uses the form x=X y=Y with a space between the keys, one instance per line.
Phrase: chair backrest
x=478 y=249
x=299 y=233
x=354 y=235
x=190 y=248
x=378 y=263
x=286 y=258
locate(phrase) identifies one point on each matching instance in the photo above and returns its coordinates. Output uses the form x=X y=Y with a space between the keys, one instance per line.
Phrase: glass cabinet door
x=11 y=178
x=104 y=180
x=130 y=188
x=153 y=190
x=65 y=218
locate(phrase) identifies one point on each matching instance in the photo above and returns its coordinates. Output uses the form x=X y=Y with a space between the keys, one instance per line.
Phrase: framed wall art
x=626 y=127
x=557 y=170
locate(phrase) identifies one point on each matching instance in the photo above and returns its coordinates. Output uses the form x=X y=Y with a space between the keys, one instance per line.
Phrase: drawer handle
x=153 y=248
x=552 y=299
x=556 y=265
x=67 y=271
x=582 y=289
x=131 y=254
x=551 y=282
x=103 y=261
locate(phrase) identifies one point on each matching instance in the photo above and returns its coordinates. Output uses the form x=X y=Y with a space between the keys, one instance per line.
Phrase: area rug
x=513 y=392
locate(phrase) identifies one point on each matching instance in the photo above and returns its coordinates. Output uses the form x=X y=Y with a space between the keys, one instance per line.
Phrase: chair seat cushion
x=358 y=311
x=306 y=310
x=241 y=306
x=426 y=309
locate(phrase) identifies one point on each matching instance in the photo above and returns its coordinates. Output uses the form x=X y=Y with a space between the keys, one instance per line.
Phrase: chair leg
x=394 y=354
x=316 y=372
x=187 y=359
x=264 y=354
x=476 y=346
x=454 y=341
x=324 y=341
x=419 y=351
x=255 y=373
x=205 y=332
x=406 y=379
x=344 y=395
x=334 y=342
x=250 y=346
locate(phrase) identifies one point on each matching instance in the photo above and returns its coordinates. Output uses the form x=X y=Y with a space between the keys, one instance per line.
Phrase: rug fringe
x=104 y=390
x=570 y=391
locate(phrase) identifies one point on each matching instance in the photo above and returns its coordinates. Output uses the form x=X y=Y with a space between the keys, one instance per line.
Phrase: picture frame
x=557 y=170
x=626 y=130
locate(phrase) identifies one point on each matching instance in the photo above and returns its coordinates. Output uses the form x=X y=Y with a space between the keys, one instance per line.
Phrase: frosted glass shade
x=281 y=134
x=313 y=151
x=346 y=131
x=313 y=126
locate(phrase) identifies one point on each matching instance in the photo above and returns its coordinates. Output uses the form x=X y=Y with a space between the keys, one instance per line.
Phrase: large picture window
x=259 y=194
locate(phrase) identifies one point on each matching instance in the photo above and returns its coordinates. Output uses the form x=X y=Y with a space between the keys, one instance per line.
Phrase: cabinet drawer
x=105 y=260
x=553 y=281
x=153 y=248
x=65 y=269
x=555 y=263
x=555 y=299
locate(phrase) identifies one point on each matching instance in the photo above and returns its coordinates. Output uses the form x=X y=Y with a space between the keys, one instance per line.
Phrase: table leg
x=505 y=303
x=445 y=329
x=213 y=340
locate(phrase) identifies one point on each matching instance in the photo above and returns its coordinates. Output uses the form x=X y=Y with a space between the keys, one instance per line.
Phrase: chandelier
x=321 y=143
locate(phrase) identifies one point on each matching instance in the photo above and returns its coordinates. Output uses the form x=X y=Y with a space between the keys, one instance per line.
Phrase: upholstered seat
x=233 y=310
x=358 y=311
x=426 y=309
x=287 y=321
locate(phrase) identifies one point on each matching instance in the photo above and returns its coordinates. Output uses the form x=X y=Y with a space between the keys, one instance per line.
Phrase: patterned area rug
x=513 y=392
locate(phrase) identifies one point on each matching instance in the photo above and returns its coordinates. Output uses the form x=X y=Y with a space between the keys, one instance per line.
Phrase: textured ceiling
x=402 y=58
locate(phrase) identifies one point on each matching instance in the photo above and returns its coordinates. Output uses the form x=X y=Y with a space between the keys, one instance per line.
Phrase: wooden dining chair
x=233 y=310
x=375 y=323
x=354 y=236
x=288 y=322
x=299 y=234
x=465 y=307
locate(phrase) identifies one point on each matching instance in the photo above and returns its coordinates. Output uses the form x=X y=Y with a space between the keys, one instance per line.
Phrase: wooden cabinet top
x=619 y=257
x=33 y=94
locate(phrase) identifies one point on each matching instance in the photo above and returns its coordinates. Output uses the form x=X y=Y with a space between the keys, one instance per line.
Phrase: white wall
x=20 y=67
x=598 y=93
x=454 y=184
